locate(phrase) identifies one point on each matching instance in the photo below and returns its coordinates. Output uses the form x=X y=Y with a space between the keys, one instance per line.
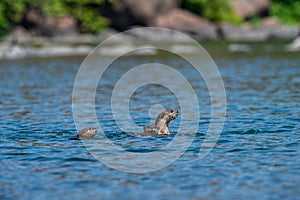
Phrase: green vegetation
x=86 y=12
x=10 y=12
x=214 y=10
x=89 y=13
x=288 y=11
x=255 y=21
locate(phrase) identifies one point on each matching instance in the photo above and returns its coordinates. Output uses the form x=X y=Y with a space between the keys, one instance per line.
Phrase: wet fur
x=161 y=124
x=87 y=133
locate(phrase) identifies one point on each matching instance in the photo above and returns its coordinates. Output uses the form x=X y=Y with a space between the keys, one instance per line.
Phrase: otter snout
x=174 y=111
x=172 y=114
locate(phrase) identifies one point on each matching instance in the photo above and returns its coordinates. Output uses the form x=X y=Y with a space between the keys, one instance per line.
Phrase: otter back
x=150 y=130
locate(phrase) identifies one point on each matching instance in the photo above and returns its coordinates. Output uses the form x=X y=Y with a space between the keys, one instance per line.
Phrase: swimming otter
x=87 y=133
x=161 y=124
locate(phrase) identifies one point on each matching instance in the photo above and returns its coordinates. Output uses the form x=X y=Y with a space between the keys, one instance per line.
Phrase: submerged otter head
x=87 y=133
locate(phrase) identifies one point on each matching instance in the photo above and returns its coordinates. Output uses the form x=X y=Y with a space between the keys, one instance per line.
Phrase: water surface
x=256 y=156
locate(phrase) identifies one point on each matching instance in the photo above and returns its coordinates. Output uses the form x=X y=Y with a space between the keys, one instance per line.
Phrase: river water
x=256 y=156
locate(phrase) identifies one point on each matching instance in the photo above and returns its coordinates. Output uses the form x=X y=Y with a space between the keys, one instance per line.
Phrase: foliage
x=88 y=15
x=255 y=20
x=10 y=12
x=215 y=10
x=286 y=10
x=86 y=12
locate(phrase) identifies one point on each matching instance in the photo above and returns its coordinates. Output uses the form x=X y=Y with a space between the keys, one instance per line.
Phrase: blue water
x=256 y=157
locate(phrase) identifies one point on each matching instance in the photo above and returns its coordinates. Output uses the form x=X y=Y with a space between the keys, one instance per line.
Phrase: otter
x=87 y=134
x=161 y=124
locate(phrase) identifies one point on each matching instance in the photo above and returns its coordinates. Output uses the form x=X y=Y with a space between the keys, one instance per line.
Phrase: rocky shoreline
x=81 y=44
x=42 y=35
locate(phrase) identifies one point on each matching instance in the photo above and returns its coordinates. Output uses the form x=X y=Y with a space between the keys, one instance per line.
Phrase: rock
x=294 y=46
x=282 y=32
x=126 y=13
x=38 y=23
x=270 y=22
x=144 y=50
x=187 y=22
x=238 y=48
x=185 y=49
x=65 y=25
x=277 y=30
x=8 y=51
x=20 y=34
x=151 y=34
x=241 y=33
x=250 y=8
x=33 y=17
x=115 y=50
x=259 y=33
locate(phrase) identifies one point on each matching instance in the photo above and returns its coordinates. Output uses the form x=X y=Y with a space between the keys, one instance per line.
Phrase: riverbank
x=237 y=39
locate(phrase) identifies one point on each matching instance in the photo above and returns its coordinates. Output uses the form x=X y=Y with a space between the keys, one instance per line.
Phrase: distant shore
x=65 y=28
x=81 y=44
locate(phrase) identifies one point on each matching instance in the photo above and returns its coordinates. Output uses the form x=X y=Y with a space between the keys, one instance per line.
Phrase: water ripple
x=256 y=156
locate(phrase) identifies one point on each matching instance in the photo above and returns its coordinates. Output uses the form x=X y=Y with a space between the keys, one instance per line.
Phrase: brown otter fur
x=161 y=124
x=87 y=133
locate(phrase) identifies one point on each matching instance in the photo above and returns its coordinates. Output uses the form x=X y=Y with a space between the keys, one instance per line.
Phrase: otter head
x=165 y=117
x=87 y=133
x=170 y=115
x=163 y=121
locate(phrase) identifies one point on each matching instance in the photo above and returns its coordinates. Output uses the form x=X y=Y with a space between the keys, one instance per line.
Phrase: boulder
x=239 y=48
x=281 y=32
x=184 y=21
x=270 y=22
x=38 y=23
x=294 y=45
x=241 y=33
x=33 y=17
x=64 y=25
x=20 y=34
x=151 y=34
x=277 y=30
x=250 y=8
x=263 y=32
x=126 y=13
